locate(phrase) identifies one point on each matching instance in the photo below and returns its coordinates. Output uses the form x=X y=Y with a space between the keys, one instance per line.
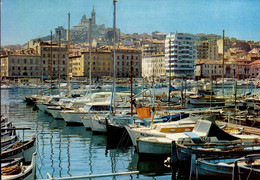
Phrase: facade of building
x=255 y=69
x=238 y=69
x=180 y=55
x=58 y=60
x=23 y=64
x=207 y=50
x=77 y=65
x=153 y=66
x=101 y=63
x=153 y=47
x=124 y=56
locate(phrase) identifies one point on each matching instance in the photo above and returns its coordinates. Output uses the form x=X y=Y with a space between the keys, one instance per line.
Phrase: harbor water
x=70 y=151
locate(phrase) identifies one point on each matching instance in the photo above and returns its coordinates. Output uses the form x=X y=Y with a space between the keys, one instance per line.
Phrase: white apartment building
x=180 y=55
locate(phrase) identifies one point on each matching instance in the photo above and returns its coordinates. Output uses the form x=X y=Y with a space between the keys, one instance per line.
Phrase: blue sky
x=23 y=20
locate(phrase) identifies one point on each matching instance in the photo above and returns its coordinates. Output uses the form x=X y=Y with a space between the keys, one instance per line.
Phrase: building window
x=24 y=68
x=24 y=60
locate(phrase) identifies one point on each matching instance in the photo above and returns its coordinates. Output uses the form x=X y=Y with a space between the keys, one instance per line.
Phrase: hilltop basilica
x=80 y=32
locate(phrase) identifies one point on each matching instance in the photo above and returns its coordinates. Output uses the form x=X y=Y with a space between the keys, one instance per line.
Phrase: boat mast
x=131 y=84
x=169 y=97
x=90 y=49
x=114 y=28
x=211 y=86
x=223 y=64
x=0 y=86
x=68 y=54
x=51 y=63
x=59 y=59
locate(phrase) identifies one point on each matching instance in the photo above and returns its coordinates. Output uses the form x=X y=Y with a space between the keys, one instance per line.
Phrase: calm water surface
x=64 y=151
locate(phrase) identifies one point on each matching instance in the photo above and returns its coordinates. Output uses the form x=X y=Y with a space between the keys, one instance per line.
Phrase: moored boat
x=20 y=171
x=21 y=149
x=184 y=152
x=228 y=167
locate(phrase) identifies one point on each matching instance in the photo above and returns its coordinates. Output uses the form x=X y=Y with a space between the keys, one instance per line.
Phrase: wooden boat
x=8 y=140
x=21 y=149
x=20 y=171
x=225 y=167
x=184 y=152
x=203 y=132
x=161 y=129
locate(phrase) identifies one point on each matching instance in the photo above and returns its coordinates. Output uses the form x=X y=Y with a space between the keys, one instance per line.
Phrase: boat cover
x=211 y=129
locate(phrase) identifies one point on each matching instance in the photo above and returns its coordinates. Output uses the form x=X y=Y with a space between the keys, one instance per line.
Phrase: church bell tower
x=93 y=16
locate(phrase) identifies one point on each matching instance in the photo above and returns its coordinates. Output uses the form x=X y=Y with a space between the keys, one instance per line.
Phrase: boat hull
x=26 y=151
x=55 y=113
x=153 y=146
x=73 y=118
x=28 y=174
x=117 y=135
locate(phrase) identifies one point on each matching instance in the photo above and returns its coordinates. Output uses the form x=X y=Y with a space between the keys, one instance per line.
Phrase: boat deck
x=247 y=129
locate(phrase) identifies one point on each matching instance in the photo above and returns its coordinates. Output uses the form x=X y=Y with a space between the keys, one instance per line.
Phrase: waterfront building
x=76 y=64
x=180 y=55
x=59 y=58
x=153 y=59
x=234 y=68
x=153 y=65
x=23 y=64
x=101 y=63
x=124 y=56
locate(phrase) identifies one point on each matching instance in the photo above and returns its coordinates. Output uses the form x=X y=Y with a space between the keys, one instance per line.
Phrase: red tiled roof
x=255 y=62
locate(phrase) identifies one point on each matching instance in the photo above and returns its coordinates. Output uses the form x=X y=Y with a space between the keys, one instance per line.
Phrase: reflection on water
x=64 y=151
x=148 y=166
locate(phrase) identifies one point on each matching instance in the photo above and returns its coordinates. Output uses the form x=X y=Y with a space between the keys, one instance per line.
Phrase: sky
x=23 y=20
